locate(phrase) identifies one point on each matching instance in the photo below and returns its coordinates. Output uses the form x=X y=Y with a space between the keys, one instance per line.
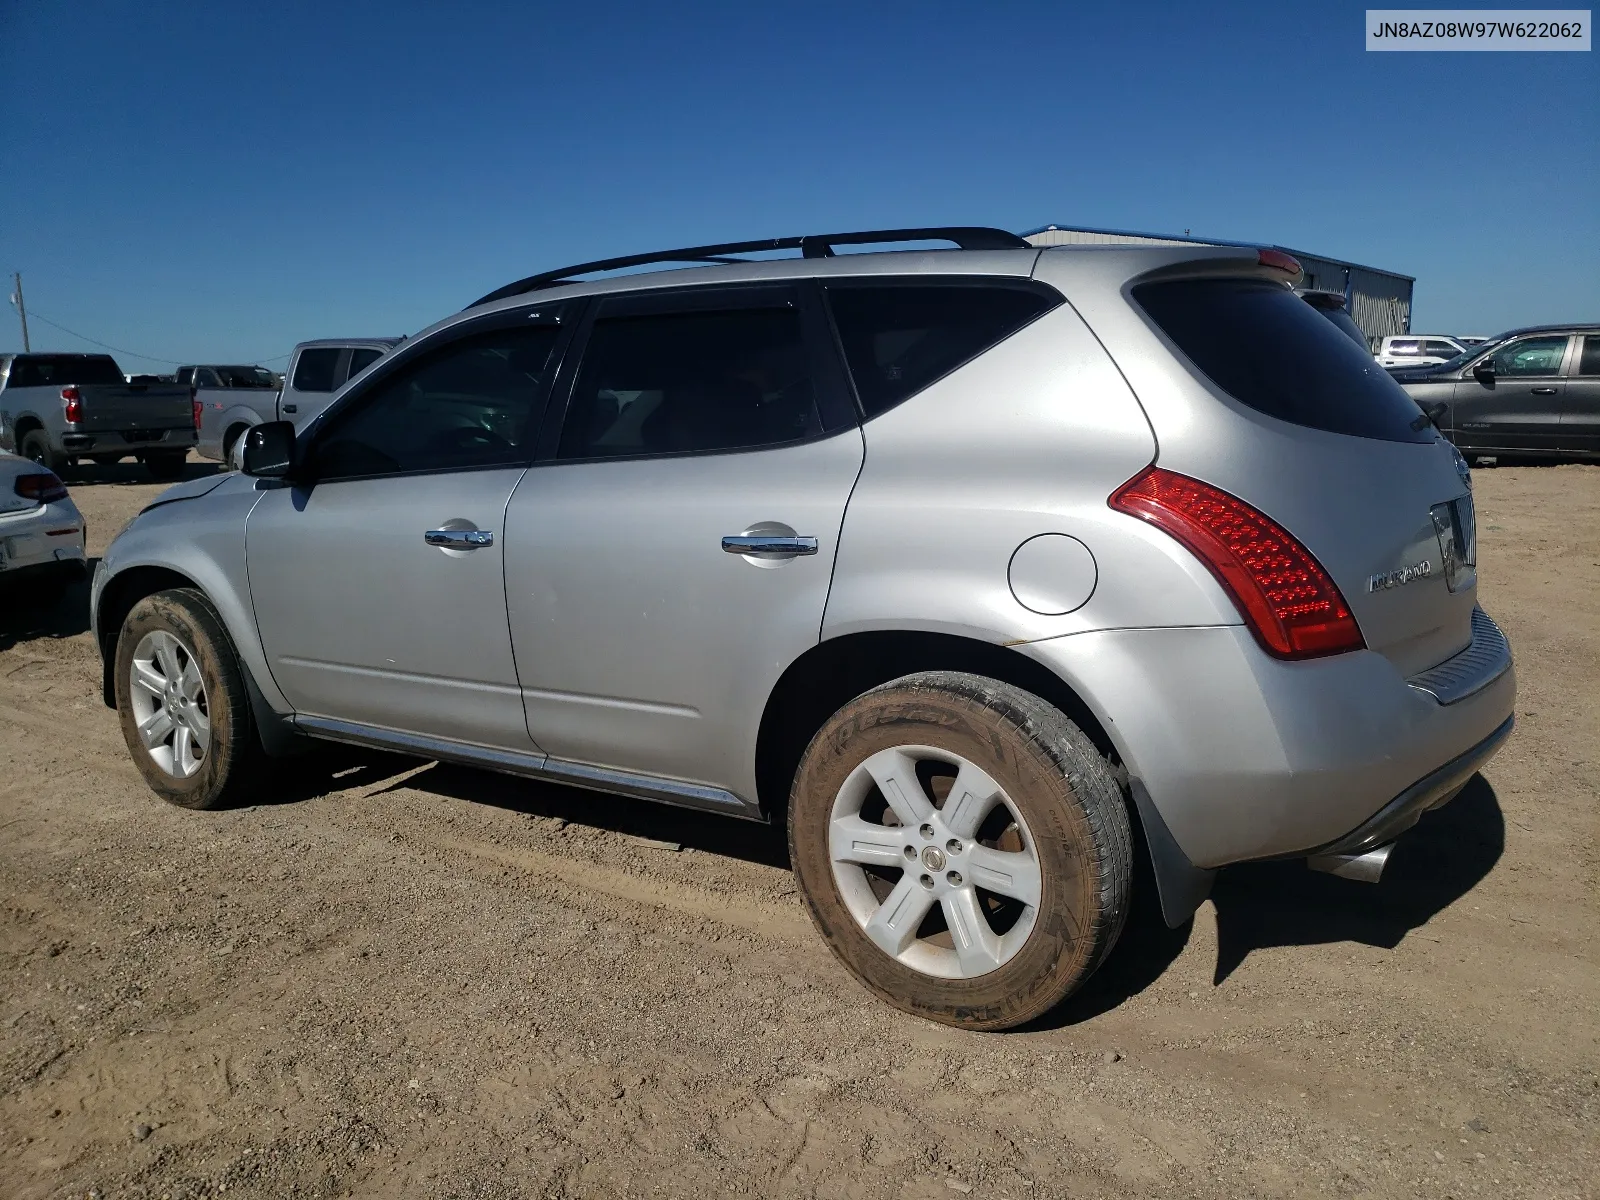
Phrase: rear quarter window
x=1272 y=352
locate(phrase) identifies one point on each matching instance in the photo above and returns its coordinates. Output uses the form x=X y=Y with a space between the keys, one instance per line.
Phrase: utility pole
x=22 y=309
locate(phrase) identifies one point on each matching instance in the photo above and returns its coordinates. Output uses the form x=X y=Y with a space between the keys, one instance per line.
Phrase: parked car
x=229 y=399
x=1529 y=391
x=58 y=408
x=954 y=577
x=41 y=533
x=1417 y=350
x=1333 y=306
x=226 y=418
x=317 y=370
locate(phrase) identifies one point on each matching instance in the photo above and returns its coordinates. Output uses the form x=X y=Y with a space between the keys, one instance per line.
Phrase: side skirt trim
x=535 y=766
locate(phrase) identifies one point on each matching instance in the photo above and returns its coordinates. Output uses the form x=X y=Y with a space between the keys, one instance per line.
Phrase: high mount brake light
x=1279 y=261
x=1291 y=605
x=41 y=486
x=72 y=404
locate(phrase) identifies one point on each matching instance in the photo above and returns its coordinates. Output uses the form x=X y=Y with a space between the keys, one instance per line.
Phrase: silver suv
x=965 y=564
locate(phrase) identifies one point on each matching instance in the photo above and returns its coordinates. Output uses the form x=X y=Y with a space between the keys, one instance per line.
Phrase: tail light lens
x=72 y=404
x=41 y=487
x=1291 y=605
x=194 y=407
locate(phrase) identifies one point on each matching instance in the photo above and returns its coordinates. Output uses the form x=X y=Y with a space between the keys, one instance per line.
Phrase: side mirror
x=1484 y=372
x=269 y=450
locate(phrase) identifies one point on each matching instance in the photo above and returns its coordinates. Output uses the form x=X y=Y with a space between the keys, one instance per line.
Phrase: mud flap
x=1180 y=884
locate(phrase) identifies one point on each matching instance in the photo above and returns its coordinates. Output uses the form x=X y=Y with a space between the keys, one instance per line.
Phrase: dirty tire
x=1055 y=780
x=165 y=465
x=234 y=760
x=36 y=445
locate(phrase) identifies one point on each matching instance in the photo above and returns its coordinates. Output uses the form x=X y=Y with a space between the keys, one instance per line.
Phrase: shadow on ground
x=328 y=768
x=87 y=473
x=30 y=612
x=1260 y=905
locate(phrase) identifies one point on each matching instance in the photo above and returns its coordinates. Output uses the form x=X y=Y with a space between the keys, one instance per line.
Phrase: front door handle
x=1544 y=391
x=761 y=543
x=291 y=408
x=459 y=539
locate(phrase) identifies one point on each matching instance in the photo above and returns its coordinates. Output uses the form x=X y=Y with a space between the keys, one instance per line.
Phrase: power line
x=176 y=362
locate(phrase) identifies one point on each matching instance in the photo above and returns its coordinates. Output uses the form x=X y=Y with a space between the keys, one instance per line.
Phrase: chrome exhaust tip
x=1367 y=868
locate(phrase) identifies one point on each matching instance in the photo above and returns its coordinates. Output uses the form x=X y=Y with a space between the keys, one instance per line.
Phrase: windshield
x=1467 y=355
x=246 y=377
x=1346 y=323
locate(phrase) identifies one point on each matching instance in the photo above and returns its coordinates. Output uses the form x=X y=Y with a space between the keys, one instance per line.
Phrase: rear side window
x=314 y=371
x=1589 y=364
x=1270 y=351
x=362 y=358
x=677 y=383
x=58 y=370
x=899 y=338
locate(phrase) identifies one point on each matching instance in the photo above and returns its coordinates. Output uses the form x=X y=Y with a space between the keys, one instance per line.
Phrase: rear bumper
x=1248 y=757
x=127 y=441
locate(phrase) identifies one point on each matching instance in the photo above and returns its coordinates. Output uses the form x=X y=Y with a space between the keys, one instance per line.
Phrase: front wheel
x=182 y=702
x=963 y=848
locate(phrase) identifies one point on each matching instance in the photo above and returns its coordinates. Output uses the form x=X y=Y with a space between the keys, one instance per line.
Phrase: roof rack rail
x=814 y=245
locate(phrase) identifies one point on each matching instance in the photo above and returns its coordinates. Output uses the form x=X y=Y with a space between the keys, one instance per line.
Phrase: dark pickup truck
x=1529 y=391
x=58 y=408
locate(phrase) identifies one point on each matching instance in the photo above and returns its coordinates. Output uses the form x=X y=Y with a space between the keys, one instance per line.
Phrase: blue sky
x=218 y=181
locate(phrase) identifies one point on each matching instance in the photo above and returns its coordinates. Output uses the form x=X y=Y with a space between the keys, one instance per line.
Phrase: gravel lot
x=408 y=979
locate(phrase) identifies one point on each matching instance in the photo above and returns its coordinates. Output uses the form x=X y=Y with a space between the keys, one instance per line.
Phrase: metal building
x=1379 y=301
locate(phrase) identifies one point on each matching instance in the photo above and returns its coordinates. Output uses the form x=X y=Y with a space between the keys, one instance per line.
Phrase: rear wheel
x=165 y=464
x=963 y=848
x=36 y=445
x=182 y=702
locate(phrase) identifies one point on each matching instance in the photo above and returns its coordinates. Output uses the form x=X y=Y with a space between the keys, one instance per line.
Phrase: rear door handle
x=757 y=543
x=459 y=539
x=1544 y=391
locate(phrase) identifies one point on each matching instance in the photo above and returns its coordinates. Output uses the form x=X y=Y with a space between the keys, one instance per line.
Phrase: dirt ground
x=402 y=979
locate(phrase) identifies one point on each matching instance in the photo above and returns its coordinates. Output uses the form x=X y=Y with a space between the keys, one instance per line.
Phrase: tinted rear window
x=58 y=370
x=1270 y=350
x=314 y=371
x=899 y=338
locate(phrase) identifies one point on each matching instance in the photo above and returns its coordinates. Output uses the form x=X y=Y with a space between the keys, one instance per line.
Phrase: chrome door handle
x=758 y=543
x=459 y=539
x=1544 y=391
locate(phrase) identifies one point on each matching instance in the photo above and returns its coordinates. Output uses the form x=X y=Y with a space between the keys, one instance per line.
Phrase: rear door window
x=314 y=371
x=1270 y=351
x=1589 y=363
x=688 y=381
x=900 y=337
x=361 y=358
x=1440 y=349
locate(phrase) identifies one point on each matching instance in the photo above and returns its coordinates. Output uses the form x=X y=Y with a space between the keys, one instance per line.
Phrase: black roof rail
x=813 y=245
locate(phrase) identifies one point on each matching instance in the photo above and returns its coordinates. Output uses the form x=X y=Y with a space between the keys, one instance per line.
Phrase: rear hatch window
x=1271 y=351
x=58 y=370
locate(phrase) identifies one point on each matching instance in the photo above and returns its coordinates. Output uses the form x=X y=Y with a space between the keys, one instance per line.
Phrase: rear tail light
x=72 y=404
x=194 y=407
x=1279 y=261
x=1291 y=605
x=41 y=487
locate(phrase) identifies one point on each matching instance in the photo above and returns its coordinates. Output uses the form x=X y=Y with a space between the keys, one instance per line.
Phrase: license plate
x=140 y=435
x=1456 y=524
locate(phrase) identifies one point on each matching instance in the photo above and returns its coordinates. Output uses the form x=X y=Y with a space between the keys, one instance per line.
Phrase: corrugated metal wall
x=1379 y=302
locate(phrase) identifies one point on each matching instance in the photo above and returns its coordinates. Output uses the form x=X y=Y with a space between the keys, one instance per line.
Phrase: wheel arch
x=835 y=671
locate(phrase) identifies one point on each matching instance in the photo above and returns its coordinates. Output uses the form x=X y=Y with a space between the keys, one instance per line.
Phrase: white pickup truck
x=229 y=400
x=59 y=408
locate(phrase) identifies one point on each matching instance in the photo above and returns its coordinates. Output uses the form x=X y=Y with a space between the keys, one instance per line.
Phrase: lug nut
x=953 y=845
x=955 y=878
x=926 y=831
x=927 y=882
